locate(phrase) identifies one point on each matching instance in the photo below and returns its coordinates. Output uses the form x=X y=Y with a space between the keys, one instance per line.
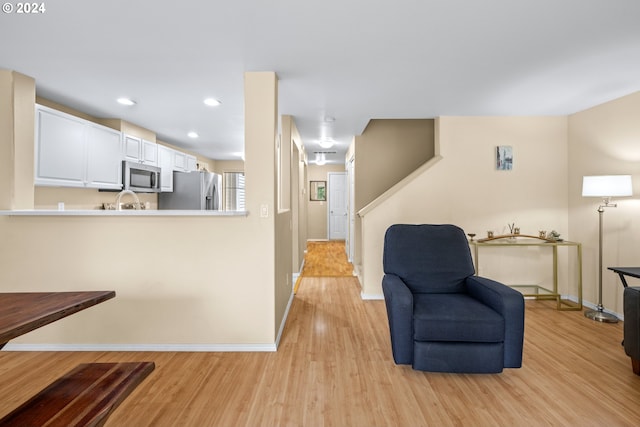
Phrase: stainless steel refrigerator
x=193 y=190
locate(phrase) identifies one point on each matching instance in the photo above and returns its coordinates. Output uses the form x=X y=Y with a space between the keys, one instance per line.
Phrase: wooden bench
x=85 y=396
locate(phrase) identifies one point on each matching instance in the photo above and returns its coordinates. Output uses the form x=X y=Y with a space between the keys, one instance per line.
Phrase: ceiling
x=340 y=63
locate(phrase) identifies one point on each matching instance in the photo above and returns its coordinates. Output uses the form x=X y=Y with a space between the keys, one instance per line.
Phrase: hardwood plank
x=334 y=368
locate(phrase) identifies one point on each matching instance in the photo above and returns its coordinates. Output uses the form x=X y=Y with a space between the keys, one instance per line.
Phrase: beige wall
x=605 y=140
x=385 y=153
x=17 y=103
x=316 y=210
x=296 y=179
x=82 y=198
x=465 y=189
x=179 y=280
x=222 y=166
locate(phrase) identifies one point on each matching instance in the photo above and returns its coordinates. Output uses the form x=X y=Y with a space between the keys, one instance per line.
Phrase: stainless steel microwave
x=140 y=178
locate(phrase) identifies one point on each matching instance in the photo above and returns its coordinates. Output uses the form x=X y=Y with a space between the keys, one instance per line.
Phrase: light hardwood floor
x=334 y=368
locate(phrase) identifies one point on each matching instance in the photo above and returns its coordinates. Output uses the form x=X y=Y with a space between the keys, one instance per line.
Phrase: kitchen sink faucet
x=122 y=193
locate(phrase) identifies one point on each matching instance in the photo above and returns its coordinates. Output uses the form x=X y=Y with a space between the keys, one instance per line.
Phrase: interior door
x=337 y=204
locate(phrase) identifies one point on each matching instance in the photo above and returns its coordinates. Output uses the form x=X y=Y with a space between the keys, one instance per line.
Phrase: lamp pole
x=599 y=313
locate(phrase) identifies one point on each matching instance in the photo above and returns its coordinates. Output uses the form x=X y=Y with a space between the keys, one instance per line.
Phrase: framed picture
x=318 y=191
x=504 y=158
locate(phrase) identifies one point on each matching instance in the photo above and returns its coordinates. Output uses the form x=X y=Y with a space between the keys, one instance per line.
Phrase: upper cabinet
x=104 y=157
x=171 y=160
x=140 y=150
x=165 y=161
x=192 y=163
x=73 y=152
x=184 y=162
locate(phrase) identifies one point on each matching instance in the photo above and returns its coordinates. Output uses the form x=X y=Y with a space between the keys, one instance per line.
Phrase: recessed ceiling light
x=212 y=102
x=193 y=134
x=126 y=101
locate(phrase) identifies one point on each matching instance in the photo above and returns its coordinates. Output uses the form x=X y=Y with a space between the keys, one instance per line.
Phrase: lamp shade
x=606 y=186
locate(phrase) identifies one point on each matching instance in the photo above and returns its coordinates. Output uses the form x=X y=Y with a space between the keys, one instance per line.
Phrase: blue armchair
x=442 y=318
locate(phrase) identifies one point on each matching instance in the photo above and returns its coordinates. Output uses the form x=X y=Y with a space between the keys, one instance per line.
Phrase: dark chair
x=442 y=318
x=631 y=302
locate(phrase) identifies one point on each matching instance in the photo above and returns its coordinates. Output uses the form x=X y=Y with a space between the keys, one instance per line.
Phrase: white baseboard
x=371 y=297
x=284 y=320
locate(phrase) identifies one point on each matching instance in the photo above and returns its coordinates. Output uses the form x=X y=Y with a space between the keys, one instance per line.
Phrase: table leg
x=624 y=281
x=555 y=278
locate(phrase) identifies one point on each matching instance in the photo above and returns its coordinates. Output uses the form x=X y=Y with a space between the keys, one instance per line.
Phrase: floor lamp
x=605 y=187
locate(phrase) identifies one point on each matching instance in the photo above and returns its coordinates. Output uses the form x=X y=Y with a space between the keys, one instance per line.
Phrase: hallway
x=326 y=259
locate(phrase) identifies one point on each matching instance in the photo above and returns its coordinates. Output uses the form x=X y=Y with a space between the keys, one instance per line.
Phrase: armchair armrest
x=510 y=304
x=399 y=302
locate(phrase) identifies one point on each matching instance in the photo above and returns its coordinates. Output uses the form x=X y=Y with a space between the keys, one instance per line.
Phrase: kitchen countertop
x=127 y=212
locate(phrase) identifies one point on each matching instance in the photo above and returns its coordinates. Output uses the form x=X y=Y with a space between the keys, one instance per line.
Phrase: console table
x=539 y=292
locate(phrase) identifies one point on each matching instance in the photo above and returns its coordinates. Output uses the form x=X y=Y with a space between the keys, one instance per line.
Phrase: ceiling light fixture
x=193 y=134
x=321 y=159
x=126 y=101
x=212 y=102
x=326 y=143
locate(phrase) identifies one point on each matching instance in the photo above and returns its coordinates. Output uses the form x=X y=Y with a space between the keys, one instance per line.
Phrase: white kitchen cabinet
x=179 y=161
x=104 y=154
x=149 y=153
x=72 y=152
x=165 y=161
x=60 y=149
x=184 y=162
x=132 y=148
x=140 y=150
x=191 y=163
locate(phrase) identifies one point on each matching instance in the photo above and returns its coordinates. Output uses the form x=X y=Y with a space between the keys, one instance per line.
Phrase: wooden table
x=22 y=312
x=626 y=271
x=85 y=396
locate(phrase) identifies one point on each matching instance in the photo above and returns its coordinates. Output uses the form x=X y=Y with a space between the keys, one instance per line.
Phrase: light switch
x=264 y=211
